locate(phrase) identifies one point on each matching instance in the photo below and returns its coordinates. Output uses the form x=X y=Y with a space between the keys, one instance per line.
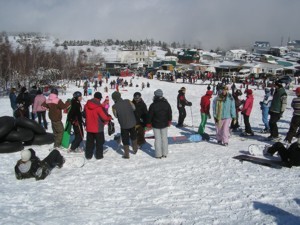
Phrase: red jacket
x=205 y=104
x=96 y=116
x=247 y=108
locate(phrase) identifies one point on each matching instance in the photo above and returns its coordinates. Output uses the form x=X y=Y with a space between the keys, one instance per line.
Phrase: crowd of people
x=135 y=117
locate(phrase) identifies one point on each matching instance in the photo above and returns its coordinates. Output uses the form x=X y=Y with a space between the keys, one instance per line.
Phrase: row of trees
x=29 y=64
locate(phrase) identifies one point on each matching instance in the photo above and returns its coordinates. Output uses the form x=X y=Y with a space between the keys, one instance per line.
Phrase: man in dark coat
x=181 y=103
x=278 y=106
x=123 y=109
x=141 y=113
x=23 y=102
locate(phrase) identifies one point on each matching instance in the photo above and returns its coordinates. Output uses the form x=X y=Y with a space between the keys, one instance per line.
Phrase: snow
x=198 y=183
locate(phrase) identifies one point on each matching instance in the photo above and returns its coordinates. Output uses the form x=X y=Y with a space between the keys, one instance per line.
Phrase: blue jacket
x=13 y=101
x=228 y=107
x=266 y=103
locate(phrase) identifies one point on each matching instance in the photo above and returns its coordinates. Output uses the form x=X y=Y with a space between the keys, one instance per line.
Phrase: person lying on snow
x=290 y=155
x=31 y=166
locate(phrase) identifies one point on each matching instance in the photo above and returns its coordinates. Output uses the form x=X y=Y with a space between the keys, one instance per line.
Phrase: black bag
x=111 y=128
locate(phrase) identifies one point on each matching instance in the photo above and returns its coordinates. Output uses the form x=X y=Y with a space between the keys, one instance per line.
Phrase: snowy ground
x=199 y=183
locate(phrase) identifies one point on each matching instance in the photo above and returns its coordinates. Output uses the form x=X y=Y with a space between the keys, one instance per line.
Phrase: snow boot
x=134 y=146
x=126 y=152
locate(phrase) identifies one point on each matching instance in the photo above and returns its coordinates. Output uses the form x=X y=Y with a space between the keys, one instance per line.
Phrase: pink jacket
x=247 y=108
x=37 y=105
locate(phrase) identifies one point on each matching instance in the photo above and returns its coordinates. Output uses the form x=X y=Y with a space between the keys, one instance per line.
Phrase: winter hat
x=137 y=95
x=54 y=91
x=98 y=95
x=297 y=91
x=116 y=96
x=106 y=99
x=158 y=93
x=77 y=94
x=23 y=89
x=249 y=92
x=182 y=89
x=25 y=155
x=278 y=83
x=209 y=92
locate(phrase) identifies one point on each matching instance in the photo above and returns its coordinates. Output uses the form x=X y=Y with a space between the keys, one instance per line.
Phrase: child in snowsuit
x=55 y=106
x=265 y=106
x=31 y=166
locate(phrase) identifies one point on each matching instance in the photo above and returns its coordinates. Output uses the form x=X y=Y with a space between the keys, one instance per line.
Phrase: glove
x=75 y=123
x=148 y=126
x=189 y=104
x=169 y=123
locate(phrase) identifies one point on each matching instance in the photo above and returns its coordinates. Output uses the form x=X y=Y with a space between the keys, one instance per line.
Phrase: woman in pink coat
x=39 y=109
x=246 y=111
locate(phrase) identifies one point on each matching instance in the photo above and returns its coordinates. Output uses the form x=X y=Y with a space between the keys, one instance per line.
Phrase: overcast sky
x=209 y=23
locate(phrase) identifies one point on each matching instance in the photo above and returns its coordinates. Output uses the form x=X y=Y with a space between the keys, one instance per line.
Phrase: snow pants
x=90 y=144
x=54 y=159
x=203 y=123
x=274 y=118
x=78 y=132
x=182 y=115
x=58 y=131
x=222 y=130
x=295 y=123
x=265 y=116
x=161 y=142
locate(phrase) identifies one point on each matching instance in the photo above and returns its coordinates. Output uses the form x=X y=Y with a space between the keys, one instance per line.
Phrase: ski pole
x=192 y=118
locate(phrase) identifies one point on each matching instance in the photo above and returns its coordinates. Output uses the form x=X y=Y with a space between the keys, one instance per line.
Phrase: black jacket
x=75 y=113
x=181 y=100
x=141 y=112
x=293 y=154
x=160 y=113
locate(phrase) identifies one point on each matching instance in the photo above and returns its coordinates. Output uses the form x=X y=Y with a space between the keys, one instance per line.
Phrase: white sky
x=209 y=23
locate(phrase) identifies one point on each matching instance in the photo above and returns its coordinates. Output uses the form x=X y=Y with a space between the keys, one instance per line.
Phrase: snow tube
x=30 y=124
x=7 y=123
x=21 y=134
x=41 y=139
x=8 y=147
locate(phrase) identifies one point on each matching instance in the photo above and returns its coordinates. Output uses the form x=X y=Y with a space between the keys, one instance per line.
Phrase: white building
x=135 y=56
x=236 y=54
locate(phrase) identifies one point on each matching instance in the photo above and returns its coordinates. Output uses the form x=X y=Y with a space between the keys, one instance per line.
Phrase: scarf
x=219 y=108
